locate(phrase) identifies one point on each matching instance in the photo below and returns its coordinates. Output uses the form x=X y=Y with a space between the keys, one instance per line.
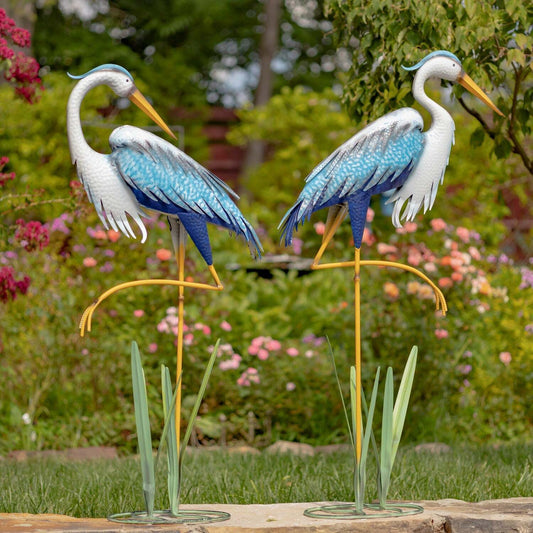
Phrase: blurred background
x=260 y=92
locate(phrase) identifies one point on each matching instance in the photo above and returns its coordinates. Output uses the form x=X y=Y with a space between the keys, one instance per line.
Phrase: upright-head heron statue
x=392 y=154
x=144 y=172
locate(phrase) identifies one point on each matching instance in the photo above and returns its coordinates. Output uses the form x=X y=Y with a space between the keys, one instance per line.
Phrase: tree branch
x=517 y=147
x=490 y=132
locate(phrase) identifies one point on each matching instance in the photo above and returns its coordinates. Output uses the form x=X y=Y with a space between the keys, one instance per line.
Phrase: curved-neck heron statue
x=392 y=154
x=144 y=172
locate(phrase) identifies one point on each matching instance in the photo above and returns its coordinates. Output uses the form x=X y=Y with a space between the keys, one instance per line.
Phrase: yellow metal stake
x=179 y=350
x=358 y=415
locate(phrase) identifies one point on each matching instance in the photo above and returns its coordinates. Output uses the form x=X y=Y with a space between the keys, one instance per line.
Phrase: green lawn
x=100 y=488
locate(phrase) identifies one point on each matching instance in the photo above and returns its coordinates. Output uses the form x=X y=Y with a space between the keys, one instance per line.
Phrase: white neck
x=76 y=140
x=437 y=112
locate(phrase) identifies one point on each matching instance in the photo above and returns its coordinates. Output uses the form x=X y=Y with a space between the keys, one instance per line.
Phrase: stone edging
x=513 y=515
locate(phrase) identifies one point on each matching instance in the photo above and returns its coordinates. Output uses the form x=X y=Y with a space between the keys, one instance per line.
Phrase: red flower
x=9 y=286
x=31 y=235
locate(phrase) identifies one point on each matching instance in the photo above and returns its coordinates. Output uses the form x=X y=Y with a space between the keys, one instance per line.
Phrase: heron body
x=144 y=172
x=392 y=154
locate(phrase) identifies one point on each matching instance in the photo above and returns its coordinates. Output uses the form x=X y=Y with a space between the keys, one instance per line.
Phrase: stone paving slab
x=513 y=515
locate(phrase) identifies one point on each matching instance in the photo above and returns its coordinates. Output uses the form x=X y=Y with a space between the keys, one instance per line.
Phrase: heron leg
x=336 y=215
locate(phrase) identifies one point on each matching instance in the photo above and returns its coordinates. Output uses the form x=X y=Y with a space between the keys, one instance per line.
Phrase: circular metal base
x=189 y=516
x=348 y=511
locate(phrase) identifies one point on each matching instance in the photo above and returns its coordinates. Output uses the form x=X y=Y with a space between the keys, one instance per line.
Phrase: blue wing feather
x=378 y=158
x=165 y=179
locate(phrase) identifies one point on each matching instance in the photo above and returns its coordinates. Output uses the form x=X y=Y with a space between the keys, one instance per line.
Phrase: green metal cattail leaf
x=360 y=463
x=369 y=415
x=142 y=422
x=169 y=434
x=169 y=407
x=198 y=401
x=386 y=436
x=402 y=401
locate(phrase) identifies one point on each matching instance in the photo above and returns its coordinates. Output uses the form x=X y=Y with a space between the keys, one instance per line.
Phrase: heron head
x=122 y=84
x=446 y=66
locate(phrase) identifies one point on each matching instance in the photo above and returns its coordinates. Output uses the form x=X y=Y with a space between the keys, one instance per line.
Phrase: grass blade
x=142 y=422
x=341 y=394
x=402 y=401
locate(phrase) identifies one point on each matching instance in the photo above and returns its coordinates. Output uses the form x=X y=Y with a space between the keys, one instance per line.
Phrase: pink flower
x=457 y=276
x=320 y=227
x=464 y=369
x=505 y=358
x=152 y=347
x=243 y=381
x=290 y=386
x=441 y=333
x=253 y=349
x=368 y=238
x=258 y=341
x=370 y=214
x=113 y=235
x=415 y=257
x=293 y=352
x=384 y=248
x=408 y=227
x=163 y=254
x=138 y=313
x=297 y=245
x=463 y=234
x=445 y=283
x=206 y=330
x=474 y=252
x=391 y=290
x=89 y=262
x=226 y=326
x=430 y=267
x=262 y=354
x=273 y=345
x=188 y=339
x=438 y=224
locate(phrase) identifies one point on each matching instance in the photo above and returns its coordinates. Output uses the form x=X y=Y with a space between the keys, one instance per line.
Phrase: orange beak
x=142 y=103
x=471 y=86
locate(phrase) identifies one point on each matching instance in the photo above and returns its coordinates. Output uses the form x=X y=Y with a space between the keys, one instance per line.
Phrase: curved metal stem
x=86 y=319
x=440 y=301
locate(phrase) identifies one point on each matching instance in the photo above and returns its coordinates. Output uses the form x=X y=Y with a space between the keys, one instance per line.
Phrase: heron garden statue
x=392 y=154
x=144 y=173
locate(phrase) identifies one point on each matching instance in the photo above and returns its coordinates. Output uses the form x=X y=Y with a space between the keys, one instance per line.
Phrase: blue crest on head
x=444 y=53
x=107 y=66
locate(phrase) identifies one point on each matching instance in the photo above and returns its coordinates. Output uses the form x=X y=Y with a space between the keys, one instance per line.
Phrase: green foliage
x=493 y=40
x=182 y=48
